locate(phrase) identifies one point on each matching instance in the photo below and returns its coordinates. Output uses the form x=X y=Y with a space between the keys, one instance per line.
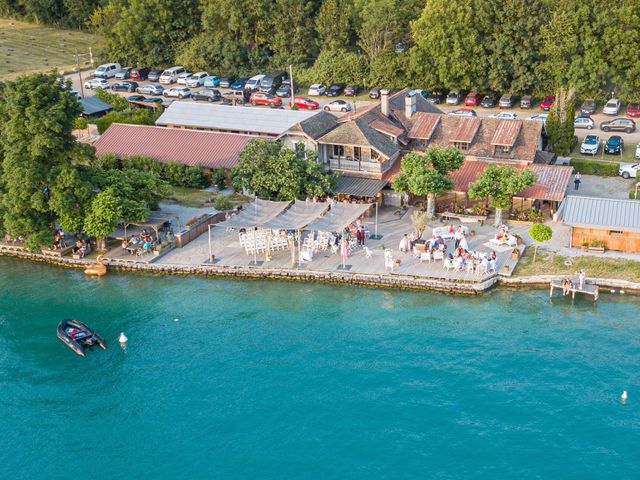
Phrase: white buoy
x=176 y=319
x=613 y=291
x=624 y=396
x=123 y=338
x=622 y=292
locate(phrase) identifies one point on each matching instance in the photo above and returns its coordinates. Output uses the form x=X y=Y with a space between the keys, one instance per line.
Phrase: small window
x=462 y=145
x=616 y=233
x=338 y=151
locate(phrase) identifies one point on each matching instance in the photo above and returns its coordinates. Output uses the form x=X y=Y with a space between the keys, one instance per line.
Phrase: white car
x=179 y=92
x=337 y=106
x=316 y=90
x=505 y=115
x=590 y=145
x=96 y=83
x=629 y=170
x=612 y=107
x=197 y=79
x=463 y=112
x=184 y=77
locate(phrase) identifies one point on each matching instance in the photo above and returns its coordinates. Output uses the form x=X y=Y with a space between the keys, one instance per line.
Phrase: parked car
x=338 y=106
x=630 y=170
x=235 y=97
x=140 y=74
x=633 y=110
x=619 y=125
x=316 y=90
x=334 y=89
x=351 y=90
x=505 y=115
x=151 y=89
x=238 y=84
x=473 y=99
x=156 y=100
x=489 y=100
x=305 y=103
x=270 y=83
x=123 y=73
x=154 y=75
x=179 y=92
x=436 y=96
x=454 y=97
x=614 y=145
x=212 y=81
x=184 y=77
x=107 y=70
x=588 y=107
x=124 y=87
x=590 y=145
x=418 y=91
x=541 y=117
x=260 y=98
x=374 y=93
x=135 y=98
x=253 y=83
x=526 y=102
x=207 y=94
x=464 y=112
x=96 y=83
x=170 y=75
x=197 y=79
x=547 y=102
x=226 y=82
x=584 y=121
x=284 y=90
x=506 y=101
x=612 y=107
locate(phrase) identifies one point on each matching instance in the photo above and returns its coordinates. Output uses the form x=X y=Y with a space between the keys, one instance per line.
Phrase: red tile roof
x=466 y=130
x=551 y=184
x=393 y=171
x=506 y=133
x=424 y=124
x=180 y=145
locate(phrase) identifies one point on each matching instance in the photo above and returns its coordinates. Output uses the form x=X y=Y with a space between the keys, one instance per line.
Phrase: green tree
x=499 y=184
x=380 y=28
x=560 y=122
x=540 y=233
x=427 y=174
x=333 y=23
x=38 y=185
x=338 y=66
x=273 y=171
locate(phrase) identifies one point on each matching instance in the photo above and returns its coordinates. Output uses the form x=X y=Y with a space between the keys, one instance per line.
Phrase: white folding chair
x=367 y=252
x=425 y=256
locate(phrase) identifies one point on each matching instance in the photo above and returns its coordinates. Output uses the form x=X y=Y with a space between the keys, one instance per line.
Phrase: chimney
x=384 y=101
x=410 y=104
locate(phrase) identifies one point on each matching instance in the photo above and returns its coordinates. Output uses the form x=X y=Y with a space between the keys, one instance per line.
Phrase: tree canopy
x=273 y=171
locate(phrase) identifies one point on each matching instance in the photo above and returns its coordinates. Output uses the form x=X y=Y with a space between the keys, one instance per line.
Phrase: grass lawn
x=25 y=47
x=551 y=264
x=196 y=198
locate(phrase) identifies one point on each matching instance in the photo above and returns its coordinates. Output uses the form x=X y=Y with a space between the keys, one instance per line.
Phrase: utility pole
x=293 y=89
x=79 y=73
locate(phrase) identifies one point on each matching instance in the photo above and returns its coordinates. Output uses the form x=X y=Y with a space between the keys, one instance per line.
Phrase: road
x=631 y=139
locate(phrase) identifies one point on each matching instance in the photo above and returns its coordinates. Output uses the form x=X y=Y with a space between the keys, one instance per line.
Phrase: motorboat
x=78 y=336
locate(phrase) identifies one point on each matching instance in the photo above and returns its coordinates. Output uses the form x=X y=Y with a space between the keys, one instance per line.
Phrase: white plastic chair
x=425 y=256
x=367 y=252
x=438 y=255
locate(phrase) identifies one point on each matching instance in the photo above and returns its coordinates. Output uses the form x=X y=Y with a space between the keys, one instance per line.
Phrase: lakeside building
x=613 y=222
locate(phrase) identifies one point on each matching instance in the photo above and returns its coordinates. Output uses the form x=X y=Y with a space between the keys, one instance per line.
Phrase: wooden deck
x=589 y=289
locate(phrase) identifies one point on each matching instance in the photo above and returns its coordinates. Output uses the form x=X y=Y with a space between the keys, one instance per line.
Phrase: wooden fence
x=198 y=228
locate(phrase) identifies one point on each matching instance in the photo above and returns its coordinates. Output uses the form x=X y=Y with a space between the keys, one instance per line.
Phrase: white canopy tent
x=340 y=216
x=255 y=214
x=298 y=216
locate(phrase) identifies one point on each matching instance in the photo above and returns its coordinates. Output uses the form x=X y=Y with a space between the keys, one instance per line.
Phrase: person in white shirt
x=404 y=243
x=458 y=235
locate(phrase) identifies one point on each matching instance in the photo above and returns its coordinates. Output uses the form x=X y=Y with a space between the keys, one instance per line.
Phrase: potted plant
x=515 y=254
x=597 y=246
x=584 y=245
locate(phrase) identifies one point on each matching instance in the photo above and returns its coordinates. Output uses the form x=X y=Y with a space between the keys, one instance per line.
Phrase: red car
x=302 y=102
x=633 y=110
x=547 y=102
x=473 y=99
x=258 y=98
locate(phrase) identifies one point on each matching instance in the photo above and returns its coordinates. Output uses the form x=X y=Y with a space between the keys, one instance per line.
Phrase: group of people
x=143 y=242
x=82 y=247
x=59 y=241
x=479 y=262
x=567 y=284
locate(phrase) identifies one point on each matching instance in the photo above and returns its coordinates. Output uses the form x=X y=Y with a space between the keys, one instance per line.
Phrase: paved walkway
x=602 y=187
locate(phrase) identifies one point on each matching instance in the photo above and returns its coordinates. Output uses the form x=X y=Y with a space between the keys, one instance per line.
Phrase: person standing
x=576 y=181
x=458 y=235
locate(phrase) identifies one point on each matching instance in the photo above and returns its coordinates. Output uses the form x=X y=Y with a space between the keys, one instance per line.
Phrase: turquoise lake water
x=271 y=380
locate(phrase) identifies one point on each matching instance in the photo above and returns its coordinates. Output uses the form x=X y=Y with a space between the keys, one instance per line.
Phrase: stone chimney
x=384 y=101
x=410 y=104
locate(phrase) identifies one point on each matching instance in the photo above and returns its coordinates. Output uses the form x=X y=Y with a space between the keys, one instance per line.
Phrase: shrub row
x=594 y=167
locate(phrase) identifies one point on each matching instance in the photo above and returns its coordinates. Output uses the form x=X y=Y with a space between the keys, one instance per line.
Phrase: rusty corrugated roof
x=386 y=127
x=466 y=130
x=180 y=145
x=506 y=133
x=424 y=125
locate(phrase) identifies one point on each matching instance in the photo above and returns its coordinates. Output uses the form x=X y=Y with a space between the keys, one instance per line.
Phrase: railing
x=353 y=166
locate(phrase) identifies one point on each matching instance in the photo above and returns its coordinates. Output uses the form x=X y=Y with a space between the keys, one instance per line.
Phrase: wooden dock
x=588 y=289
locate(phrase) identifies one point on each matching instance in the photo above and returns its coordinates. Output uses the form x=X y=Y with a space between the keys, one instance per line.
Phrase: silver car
x=584 y=122
x=337 y=106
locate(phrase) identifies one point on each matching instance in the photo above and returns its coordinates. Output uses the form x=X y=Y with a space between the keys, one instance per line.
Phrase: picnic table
x=464 y=217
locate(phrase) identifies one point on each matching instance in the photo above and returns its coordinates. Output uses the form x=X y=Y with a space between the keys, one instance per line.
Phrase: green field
x=25 y=47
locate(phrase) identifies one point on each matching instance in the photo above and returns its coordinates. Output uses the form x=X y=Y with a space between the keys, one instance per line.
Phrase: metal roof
x=179 y=145
x=358 y=187
x=466 y=130
x=264 y=121
x=507 y=133
x=605 y=213
x=93 y=105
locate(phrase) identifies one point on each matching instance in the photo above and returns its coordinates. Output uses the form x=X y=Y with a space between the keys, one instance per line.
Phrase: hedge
x=594 y=167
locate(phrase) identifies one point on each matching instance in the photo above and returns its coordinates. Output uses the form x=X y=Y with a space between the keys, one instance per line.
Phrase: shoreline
x=389 y=280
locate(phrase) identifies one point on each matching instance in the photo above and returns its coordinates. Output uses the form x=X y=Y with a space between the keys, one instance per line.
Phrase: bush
x=594 y=167
x=218 y=178
x=118 y=103
x=80 y=123
x=176 y=174
x=222 y=202
x=139 y=116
